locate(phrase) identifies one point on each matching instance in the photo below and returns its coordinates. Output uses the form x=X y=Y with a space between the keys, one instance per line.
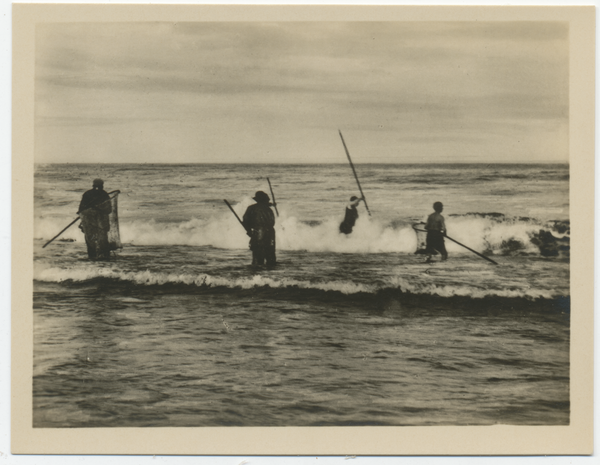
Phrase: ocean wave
x=207 y=282
x=489 y=233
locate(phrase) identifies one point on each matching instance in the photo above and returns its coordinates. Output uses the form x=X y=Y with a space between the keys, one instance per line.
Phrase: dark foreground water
x=178 y=330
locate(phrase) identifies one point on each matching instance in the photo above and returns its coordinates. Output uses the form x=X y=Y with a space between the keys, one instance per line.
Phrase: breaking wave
x=490 y=233
x=207 y=282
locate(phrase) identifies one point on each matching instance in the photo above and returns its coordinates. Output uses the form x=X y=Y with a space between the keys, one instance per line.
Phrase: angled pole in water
x=476 y=253
x=78 y=218
x=273 y=197
x=236 y=215
x=354 y=171
x=454 y=240
x=67 y=227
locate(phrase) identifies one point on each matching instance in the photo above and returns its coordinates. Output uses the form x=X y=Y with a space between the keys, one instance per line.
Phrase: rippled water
x=178 y=330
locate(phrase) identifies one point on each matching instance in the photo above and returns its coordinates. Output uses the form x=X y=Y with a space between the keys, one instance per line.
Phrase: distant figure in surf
x=259 y=221
x=436 y=230
x=94 y=208
x=351 y=215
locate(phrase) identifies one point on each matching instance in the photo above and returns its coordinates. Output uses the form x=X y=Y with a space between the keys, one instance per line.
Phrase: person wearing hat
x=436 y=230
x=351 y=215
x=94 y=208
x=259 y=222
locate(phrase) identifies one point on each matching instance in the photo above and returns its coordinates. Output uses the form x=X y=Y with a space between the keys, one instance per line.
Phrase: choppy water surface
x=178 y=330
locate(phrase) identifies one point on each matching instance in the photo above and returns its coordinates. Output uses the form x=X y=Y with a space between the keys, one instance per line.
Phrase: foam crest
x=47 y=227
x=150 y=278
x=452 y=290
x=370 y=235
x=482 y=234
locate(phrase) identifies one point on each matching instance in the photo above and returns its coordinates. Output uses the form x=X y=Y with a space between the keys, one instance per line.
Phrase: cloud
x=260 y=80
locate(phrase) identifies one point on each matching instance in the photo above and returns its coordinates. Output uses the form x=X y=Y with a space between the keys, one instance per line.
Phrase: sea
x=179 y=330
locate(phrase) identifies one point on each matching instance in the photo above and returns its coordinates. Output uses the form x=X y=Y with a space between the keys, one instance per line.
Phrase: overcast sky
x=278 y=92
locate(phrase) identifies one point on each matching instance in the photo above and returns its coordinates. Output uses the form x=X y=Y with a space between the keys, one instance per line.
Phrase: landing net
x=114 y=238
x=421 y=238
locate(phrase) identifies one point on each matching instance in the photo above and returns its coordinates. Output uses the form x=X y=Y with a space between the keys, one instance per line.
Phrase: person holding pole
x=94 y=208
x=436 y=230
x=362 y=196
x=259 y=222
x=351 y=215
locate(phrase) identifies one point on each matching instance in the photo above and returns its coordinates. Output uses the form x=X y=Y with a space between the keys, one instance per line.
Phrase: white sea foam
x=87 y=272
x=452 y=290
x=369 y=235
x=481 y=234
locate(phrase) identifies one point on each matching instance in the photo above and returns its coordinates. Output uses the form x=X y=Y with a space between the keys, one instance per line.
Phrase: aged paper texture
x=38 y=143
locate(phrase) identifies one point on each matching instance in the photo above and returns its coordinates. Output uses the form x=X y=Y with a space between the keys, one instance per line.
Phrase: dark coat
x=94 y=210
x=97 y=199
x=349 y=220
x=259 y=221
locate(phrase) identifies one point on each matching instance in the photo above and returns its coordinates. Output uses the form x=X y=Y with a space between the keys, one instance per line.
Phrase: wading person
x=436 y=230
x=259 y=221
x=351 y=215
x=94 y=208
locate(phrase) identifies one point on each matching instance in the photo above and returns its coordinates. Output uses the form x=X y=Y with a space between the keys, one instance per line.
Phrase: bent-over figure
x=350 y=216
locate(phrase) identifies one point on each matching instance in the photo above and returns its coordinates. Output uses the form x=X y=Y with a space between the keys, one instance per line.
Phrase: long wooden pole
x=273 y=197
x=476 y=253
x=354 y=171
x=462 y=245
x=78 y=218
x=236 y=215
x=67 y=227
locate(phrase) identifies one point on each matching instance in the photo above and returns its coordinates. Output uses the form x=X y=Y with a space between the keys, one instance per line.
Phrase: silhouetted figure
x=436 y=230
x=94 y=208
x=351 y=215
x=259 y=221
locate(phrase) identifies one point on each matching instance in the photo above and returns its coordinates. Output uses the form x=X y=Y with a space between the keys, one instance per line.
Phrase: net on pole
x=422 y=239
x=114 y=238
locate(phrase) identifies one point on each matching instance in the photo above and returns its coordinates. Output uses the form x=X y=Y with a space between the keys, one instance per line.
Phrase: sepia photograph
x=285 y=223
